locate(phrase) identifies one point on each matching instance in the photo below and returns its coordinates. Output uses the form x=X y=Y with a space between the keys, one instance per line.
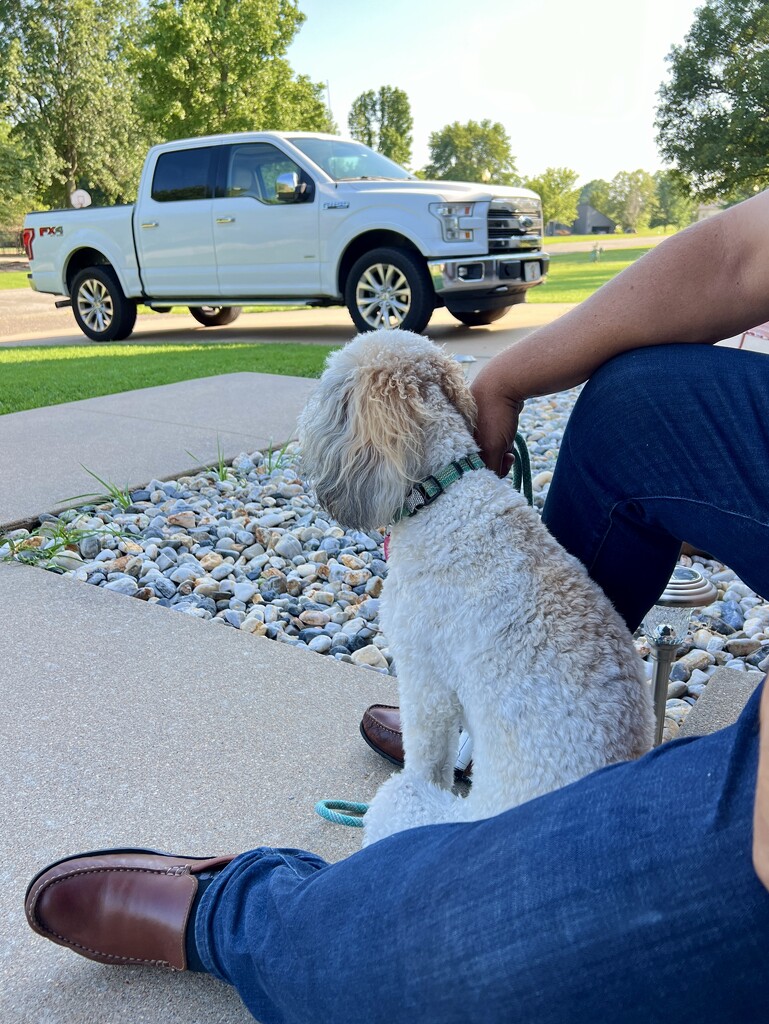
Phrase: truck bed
x=108 y=230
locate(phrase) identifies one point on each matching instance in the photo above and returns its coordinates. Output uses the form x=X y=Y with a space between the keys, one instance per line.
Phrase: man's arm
x=700 y=285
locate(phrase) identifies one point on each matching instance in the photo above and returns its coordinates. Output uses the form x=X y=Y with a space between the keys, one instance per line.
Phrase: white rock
x=371 y=656
x=244 y=591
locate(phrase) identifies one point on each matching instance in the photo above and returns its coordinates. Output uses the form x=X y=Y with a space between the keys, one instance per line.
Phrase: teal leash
x=347 y=812
x=330 y=810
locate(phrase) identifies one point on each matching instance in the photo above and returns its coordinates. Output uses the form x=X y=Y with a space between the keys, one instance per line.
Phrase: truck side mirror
x=288 y=188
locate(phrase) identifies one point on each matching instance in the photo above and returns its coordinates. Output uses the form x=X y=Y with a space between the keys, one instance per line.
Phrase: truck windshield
x=350 y=161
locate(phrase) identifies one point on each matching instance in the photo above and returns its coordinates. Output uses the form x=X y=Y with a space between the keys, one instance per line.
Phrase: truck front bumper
x=486 y=281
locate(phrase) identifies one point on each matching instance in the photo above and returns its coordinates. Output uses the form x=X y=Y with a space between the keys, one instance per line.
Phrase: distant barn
x=592 y=222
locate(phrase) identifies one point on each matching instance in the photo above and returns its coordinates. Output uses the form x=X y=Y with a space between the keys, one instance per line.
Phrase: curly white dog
x=494 y=627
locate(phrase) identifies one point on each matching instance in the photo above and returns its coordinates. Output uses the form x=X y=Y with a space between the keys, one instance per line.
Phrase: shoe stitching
x=391 y=732
x=383 y=728
x=32 y=913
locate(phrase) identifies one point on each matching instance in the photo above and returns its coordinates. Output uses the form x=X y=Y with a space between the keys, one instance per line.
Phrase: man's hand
x=497 y=423
x=761 y=812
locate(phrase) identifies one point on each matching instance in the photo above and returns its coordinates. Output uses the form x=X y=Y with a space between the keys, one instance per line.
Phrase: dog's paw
x=408 y=800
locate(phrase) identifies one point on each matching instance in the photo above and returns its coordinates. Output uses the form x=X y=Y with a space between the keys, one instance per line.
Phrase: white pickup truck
x=294 y=218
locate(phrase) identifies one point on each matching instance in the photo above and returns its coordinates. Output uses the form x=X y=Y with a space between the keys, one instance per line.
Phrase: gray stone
x=288 y=547
x=186 y=572
x=676 y=689
x=731 y=613
x=163 y=587
x=680 y=673
x=124 y=585
x=244 y=591
x=90 y=547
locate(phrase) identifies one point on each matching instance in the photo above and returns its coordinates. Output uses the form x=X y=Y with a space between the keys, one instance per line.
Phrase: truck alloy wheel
x=101 y=310
x=215 y=316
x=389 y=288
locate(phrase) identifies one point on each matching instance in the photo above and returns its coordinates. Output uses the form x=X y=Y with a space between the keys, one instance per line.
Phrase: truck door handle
x=150 y=224
x=225 y=220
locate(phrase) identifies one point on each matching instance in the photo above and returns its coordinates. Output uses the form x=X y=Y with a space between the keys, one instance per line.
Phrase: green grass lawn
x=574 y=275
x=628 y=239
x=34 y=377
x=13 y=279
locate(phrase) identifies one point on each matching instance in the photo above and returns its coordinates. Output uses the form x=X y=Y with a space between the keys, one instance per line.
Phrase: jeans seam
x=671 y=498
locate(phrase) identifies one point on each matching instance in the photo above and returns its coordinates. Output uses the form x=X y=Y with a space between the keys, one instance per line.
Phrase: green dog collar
x=426 y=491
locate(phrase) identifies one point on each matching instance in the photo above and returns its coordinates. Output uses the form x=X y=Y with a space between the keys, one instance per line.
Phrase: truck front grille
x=514 y=224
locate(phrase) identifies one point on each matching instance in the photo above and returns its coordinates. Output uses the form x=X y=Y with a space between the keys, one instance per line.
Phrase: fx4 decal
x=51 y=231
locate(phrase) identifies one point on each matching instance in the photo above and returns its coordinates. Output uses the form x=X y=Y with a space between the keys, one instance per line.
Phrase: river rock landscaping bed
x=245 y=546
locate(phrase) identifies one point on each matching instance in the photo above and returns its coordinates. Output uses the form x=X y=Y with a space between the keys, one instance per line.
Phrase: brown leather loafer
x=119 y=906
x=380 y=727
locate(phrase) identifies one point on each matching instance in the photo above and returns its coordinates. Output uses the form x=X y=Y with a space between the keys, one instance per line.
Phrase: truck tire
x=481 y=317
x=215 y=316
x=102 y=311
x=389 y=288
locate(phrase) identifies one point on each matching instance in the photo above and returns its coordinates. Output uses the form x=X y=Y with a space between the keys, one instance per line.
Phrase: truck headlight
x=452 y=218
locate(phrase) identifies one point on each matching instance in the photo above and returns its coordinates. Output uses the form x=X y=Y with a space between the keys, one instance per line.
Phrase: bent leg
x=626 y=898
x=665 y=444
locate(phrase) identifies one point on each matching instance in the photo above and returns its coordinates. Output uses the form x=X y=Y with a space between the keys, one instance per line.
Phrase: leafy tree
x=476 y=151
x=383 y=121
x=631 y=199
x=596 y=194
x=68 y=97
x=209 y=66
x=559 y=196
x=17 y=182
x=712 y=118
x=674 y=204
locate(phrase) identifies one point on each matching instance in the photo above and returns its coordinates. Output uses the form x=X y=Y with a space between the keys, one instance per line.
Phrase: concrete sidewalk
x=125 y=724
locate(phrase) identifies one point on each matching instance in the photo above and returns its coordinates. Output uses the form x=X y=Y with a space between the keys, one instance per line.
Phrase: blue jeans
x=628 y=897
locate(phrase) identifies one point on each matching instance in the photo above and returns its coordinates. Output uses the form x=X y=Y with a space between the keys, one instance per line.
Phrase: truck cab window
x=183 y=174
x=252 y=171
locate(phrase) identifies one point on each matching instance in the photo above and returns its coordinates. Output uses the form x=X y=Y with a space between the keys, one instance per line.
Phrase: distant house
x=591 y=222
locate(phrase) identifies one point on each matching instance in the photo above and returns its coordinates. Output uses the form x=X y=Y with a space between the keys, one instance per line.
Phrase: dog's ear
x=362 y=441
x=454 y=387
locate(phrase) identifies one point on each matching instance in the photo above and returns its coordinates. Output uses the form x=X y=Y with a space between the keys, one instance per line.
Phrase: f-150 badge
x=340 y=204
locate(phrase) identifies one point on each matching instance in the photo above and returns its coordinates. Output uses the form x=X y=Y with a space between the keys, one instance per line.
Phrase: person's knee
x=629 y=402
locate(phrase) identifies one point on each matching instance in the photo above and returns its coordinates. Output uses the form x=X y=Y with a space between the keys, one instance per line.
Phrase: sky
x=574 y=82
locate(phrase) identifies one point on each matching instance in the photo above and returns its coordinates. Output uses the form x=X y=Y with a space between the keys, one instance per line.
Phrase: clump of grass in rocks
x=53 y=545
x=120 y=496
